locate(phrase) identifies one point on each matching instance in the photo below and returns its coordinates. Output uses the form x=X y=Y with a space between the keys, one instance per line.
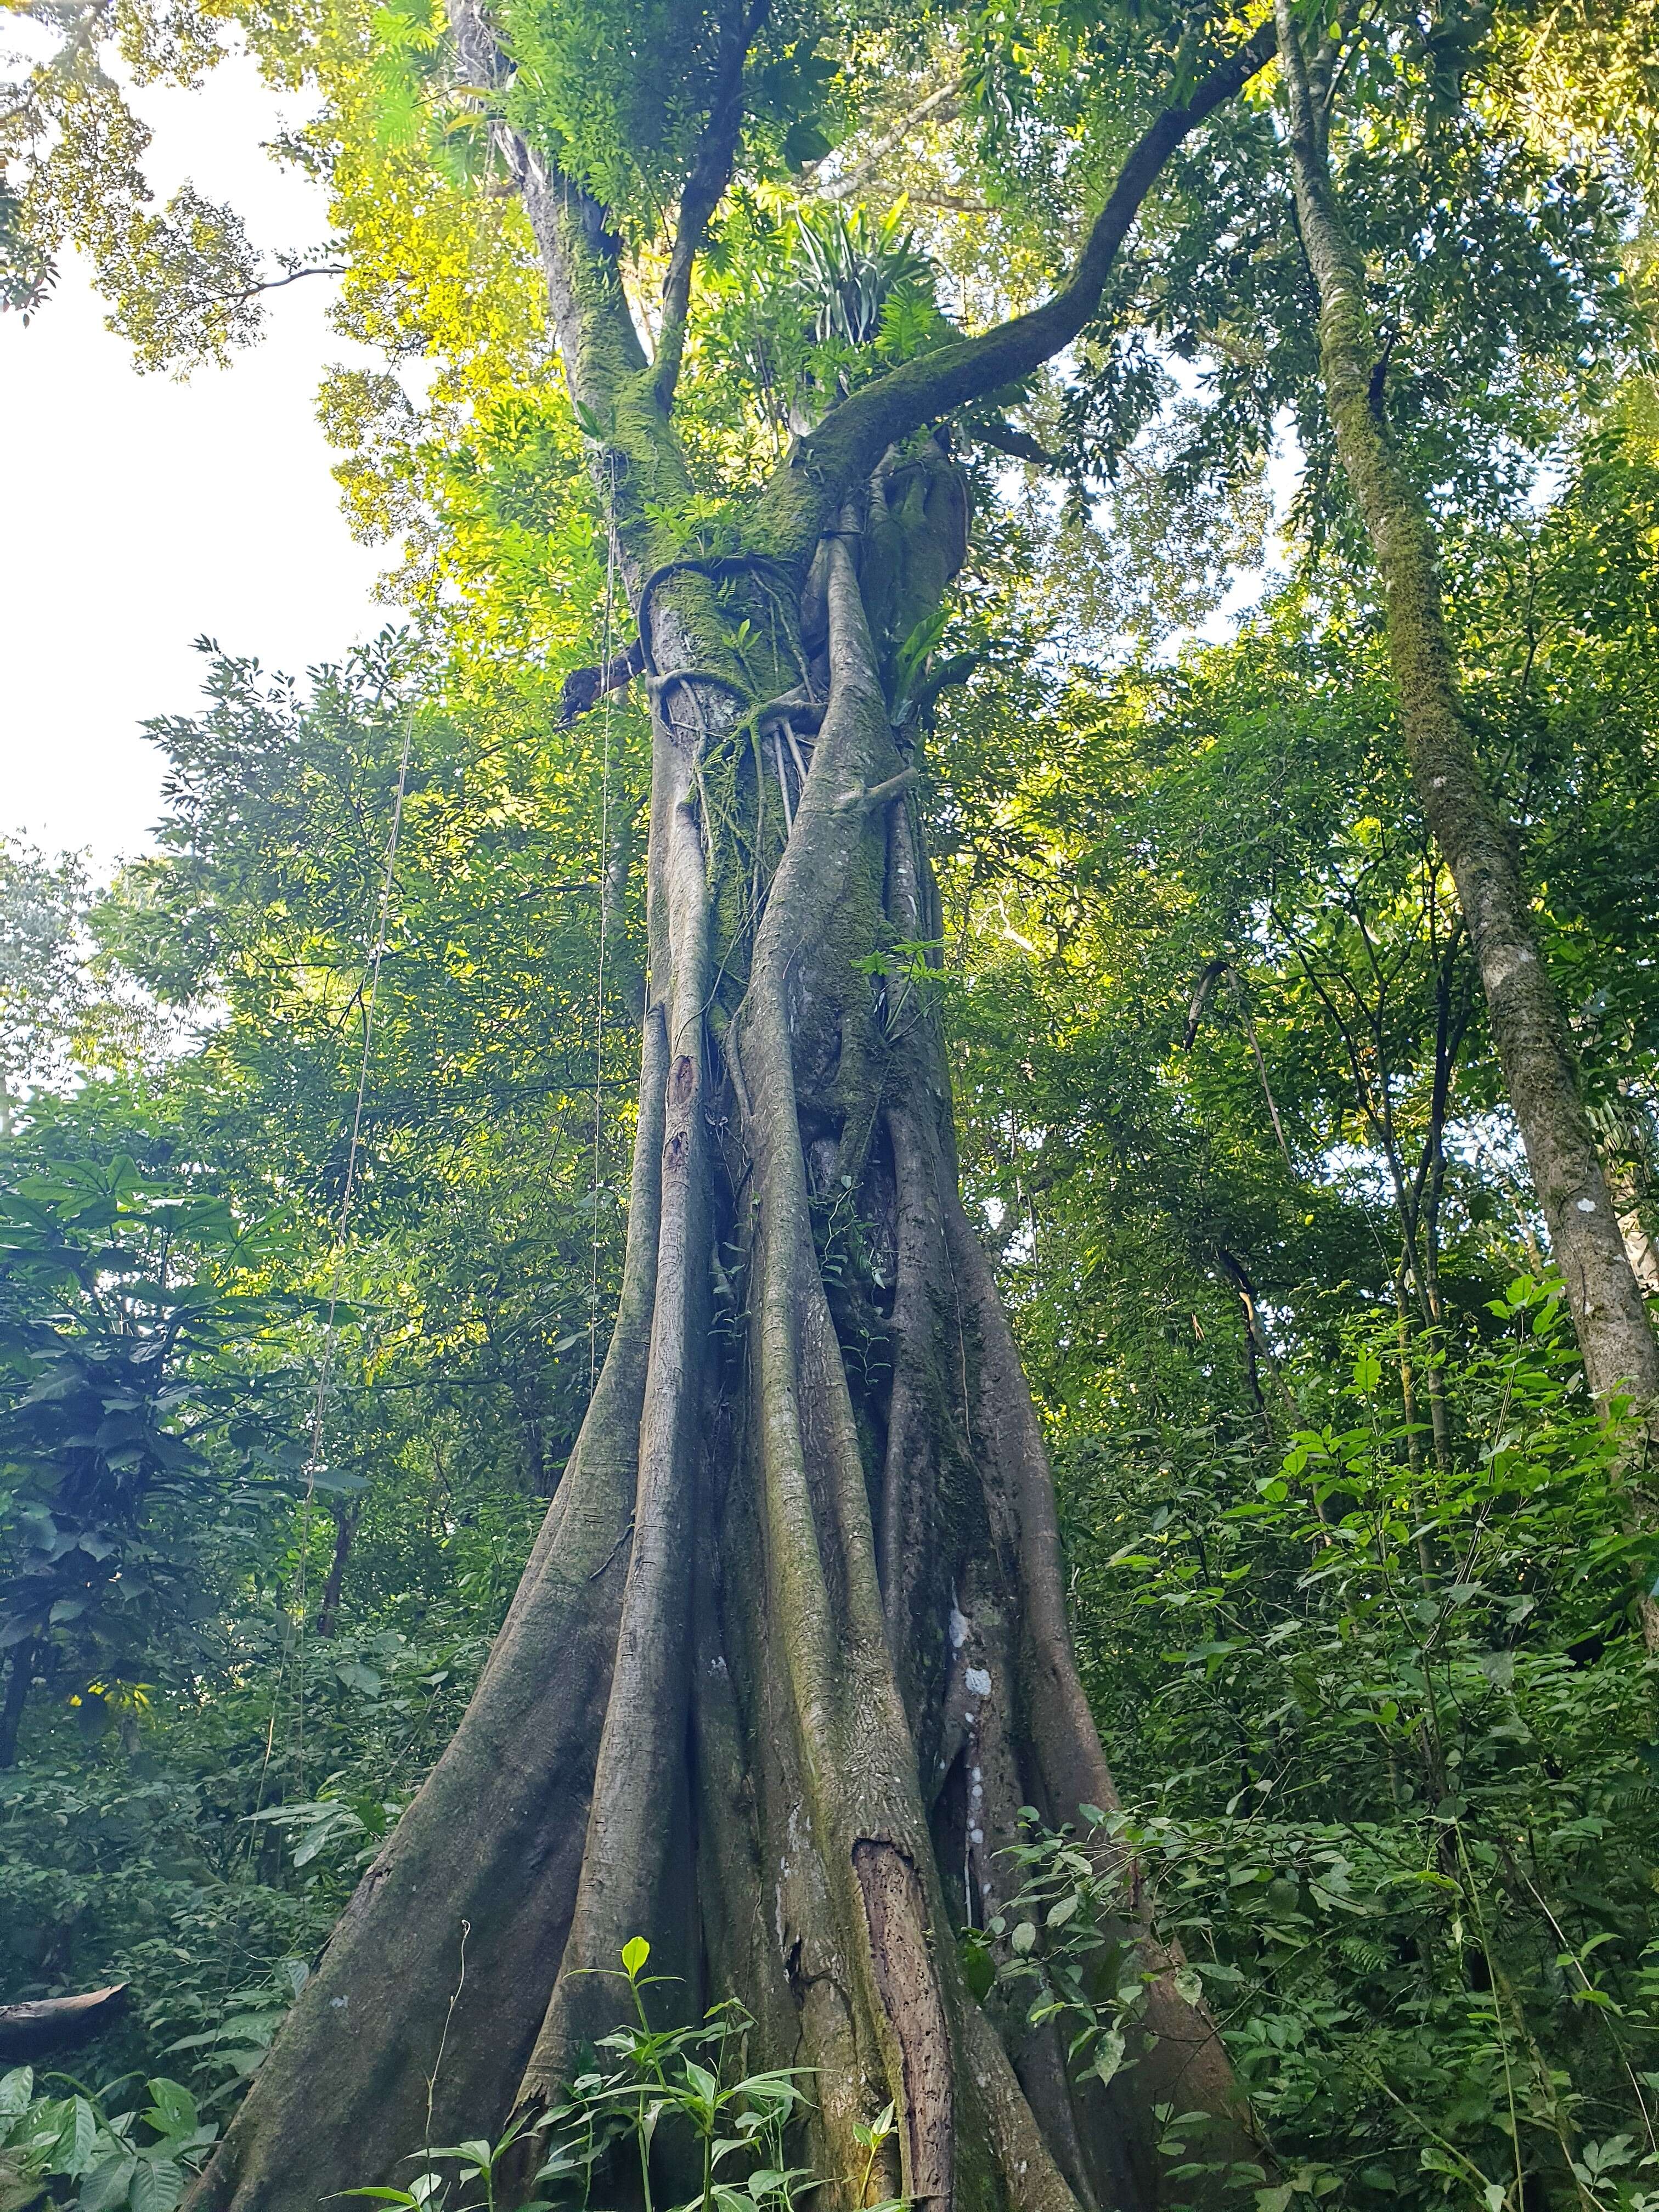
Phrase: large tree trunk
x=1619 y=1349
x=791 y=1650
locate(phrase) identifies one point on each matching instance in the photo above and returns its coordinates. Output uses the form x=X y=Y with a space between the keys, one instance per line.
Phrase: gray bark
x=1621 y=1351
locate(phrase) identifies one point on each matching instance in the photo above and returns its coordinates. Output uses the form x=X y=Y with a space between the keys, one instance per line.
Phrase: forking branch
x=802 y=495
x=705 y=187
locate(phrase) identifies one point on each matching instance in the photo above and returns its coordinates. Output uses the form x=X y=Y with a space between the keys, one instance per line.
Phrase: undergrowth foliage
x=1388 y=1744
x=654 y=2099
x=1401 y=1825
x=140 y=2159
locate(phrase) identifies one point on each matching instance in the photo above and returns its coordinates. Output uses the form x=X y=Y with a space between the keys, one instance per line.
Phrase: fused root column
x=709 y=1718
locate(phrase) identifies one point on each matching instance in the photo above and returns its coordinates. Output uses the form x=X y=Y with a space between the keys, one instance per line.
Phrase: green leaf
x=804 y=141
x=157 y=2186
x=702 y=2083
x=16 y=2088
x=106 y=2184
x=173 y=2109
x=635 y=1952
x=1109 y=2055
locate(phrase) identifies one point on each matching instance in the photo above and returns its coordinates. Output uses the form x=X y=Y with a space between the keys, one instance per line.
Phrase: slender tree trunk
x=18 y=1676
x=1233 y=1269
x=1619 y=1349
x=345 y=1528
x=1407 y=1374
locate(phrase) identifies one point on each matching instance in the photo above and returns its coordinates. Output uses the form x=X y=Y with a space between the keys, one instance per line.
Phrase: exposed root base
x=791 y=1650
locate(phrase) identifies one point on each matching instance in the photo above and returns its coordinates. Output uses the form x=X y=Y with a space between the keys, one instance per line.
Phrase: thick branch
x=802 y=498
x=1019 y=445
x=705 y=187
x=585 y=686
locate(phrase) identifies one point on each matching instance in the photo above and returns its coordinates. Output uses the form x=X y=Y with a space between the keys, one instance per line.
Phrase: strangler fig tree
x=791 y=1651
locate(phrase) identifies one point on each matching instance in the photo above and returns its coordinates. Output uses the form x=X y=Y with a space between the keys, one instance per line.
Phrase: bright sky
x=142 y=514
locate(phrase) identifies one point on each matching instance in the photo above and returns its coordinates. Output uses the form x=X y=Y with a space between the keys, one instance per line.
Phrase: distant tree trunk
x=345 y=1528
x=790 y=1651
x=19 y=1677
x=1618 y=1342
x=1622 y=1130
x=1644 y=1253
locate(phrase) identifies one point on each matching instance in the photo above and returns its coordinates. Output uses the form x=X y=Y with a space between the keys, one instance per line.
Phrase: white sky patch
x=142 y=514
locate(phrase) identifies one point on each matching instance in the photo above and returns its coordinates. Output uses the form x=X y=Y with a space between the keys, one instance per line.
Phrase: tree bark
x=790 y=1652
x=19 y=1677
x=1621 y=1351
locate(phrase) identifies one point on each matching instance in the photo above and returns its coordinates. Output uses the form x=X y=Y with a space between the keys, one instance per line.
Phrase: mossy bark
x=1619 y=1348
x=791 y=1649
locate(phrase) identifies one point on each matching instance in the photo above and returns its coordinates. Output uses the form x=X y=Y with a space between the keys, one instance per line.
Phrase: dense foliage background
x=300 y=1308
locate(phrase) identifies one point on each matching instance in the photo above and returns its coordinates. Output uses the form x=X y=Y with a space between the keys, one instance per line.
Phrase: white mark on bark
x=1500 y=968
x=958 y=1629
x=978 y=1681
x=1587 y=1205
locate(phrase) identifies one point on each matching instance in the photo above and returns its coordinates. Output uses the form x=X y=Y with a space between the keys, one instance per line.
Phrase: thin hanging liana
x=607 y=650
x=314 y=1460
